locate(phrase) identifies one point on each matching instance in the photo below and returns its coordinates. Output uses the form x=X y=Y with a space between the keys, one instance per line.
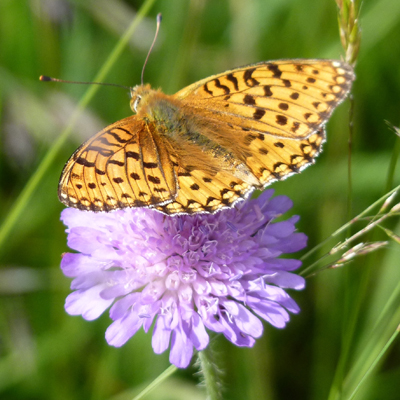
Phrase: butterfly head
x=139 y=97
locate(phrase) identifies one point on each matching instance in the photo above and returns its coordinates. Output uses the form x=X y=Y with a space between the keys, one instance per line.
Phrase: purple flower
x=186 y=273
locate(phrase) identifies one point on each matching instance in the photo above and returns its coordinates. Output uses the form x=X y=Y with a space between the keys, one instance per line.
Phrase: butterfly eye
x=136 y=102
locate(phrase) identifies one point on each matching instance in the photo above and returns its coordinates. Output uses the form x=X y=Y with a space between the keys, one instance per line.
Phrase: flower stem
x=210 y=373
x=161 y=378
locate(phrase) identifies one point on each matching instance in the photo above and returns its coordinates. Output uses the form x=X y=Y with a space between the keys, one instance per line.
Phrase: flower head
x=186 y=273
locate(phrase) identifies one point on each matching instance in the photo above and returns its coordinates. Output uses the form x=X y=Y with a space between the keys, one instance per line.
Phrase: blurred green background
x=46 y=354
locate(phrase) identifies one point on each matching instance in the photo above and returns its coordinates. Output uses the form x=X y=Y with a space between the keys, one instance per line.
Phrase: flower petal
x=272 y=312
x=87 y=303
x=161 y=336
x=121 y=330
x=181 y=349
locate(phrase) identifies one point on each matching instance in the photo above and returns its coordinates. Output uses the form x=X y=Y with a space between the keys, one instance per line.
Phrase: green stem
x=161 y=378
x=392 y=166
x=374 y=363
x=23 y=199
x=349 y=160
x=210 y=373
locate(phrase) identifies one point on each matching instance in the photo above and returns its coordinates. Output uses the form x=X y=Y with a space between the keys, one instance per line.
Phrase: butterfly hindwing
x=201 y=192
x=278 y=158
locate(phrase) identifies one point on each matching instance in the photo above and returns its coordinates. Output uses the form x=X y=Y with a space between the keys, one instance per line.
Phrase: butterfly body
x=191 y=135
x=212 y=143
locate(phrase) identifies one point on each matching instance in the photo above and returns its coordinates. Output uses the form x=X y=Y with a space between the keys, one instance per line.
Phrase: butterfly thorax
x=166 y=114
x=171 y=118
x=157 y=108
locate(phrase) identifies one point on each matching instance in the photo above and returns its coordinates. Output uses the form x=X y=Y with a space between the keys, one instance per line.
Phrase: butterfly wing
x=200 y=192
x=236 y=131
x=271 y=114
x=125 y=165
x=287 y=98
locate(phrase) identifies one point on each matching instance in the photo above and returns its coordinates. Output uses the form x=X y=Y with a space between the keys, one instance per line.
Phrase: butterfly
x=210 y=144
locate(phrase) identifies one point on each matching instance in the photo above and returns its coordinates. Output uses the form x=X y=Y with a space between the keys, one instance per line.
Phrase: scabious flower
x=185 y=273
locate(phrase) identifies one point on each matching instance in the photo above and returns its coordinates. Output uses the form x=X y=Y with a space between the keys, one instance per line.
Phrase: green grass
x=349 y=314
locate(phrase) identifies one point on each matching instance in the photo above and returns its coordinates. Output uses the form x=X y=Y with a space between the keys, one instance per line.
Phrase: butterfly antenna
x=45 y=78
x=159 y=18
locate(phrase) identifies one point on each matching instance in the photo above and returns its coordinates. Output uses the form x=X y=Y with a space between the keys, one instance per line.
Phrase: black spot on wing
x=116 y=162
x=150 y=165
x=154 y=179
x=281 y=120
x=84 y=162
x=135 y=176
x=210 y=199
x=119 y=138
x=295 y=126
x=316 y=104
x=307 y=115
x=259 y=113
x=248 y=79
x=249 y=100
x=234 y=80
x=267 y=90
x=132 y=154
x=205 y=86
x=223 y=87
x=275 y=69
x=184 y=173
x=106 y=142
x=99 y=171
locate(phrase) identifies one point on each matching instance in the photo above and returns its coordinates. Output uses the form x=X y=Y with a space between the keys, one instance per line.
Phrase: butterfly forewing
x=288 y=98
x=121 y=166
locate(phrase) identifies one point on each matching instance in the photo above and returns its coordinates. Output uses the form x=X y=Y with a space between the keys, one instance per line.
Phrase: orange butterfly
x=212 y=143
